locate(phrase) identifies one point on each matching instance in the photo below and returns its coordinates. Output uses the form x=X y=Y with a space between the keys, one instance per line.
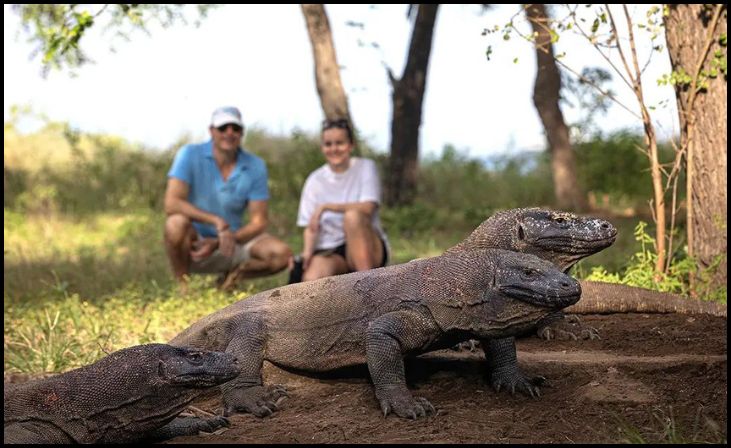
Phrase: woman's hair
x=340 y=123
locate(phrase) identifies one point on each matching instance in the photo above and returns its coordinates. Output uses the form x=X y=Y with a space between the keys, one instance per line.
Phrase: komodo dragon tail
x=606 y=298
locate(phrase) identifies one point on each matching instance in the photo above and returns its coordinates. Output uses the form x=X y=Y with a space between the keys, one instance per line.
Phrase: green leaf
x=554 y=36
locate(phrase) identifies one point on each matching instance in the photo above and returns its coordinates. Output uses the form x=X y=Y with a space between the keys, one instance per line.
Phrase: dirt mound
x=661 y=377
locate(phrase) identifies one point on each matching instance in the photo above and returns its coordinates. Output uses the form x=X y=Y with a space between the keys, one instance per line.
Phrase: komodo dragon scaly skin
x=129 y=396
x=377 y=317
x=563 y=239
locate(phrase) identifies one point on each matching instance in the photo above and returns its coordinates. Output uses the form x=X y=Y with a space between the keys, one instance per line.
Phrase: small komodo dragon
x=131 y=395
x=563 y=239
x=377 y=317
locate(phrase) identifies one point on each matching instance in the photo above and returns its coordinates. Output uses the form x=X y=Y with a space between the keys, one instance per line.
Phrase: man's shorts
x=217 y=263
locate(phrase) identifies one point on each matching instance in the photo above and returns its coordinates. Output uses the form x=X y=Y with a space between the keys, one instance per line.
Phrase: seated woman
x=339 y=210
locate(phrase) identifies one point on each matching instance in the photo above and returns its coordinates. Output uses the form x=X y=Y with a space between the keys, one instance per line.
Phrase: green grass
x=664 y=428
x=76 y=288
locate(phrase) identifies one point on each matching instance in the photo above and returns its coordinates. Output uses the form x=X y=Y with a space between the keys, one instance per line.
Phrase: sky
x=155 y=88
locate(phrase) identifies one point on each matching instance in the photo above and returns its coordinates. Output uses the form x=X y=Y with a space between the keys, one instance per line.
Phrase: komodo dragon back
x=127 y=396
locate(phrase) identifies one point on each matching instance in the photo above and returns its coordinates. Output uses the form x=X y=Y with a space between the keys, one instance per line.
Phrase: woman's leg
x=324 y=266
x=364 y=247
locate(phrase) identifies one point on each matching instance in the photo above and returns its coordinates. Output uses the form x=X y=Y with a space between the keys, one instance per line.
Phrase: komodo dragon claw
x=517 y=380
x=570 y=328
x=261 y=401
x=472 y=345
x=402 y=403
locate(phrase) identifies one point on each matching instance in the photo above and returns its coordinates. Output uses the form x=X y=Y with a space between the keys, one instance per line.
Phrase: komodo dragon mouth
x=575 y=244
x=561 y=299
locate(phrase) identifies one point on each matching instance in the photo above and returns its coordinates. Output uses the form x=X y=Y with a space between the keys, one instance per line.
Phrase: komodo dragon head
x=121 y=398
x=560 y=237
x=191 y=368
x=495 y=293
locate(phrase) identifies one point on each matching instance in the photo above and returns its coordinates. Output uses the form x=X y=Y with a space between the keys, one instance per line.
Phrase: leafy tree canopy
x=57 y=29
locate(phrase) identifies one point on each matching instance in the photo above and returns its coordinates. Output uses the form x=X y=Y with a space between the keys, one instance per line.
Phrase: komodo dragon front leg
x=502 y=363
x=388 y=339
x=246 y=393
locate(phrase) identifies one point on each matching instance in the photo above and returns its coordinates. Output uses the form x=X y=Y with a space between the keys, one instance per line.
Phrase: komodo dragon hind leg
x=569 y=327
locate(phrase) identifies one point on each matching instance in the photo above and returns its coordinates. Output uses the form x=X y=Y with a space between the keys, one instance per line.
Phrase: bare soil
x=662 y=377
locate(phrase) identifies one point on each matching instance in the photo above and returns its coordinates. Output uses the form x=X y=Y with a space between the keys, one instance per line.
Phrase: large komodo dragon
x=129 y=396
x=377 y=317
x=563 y=239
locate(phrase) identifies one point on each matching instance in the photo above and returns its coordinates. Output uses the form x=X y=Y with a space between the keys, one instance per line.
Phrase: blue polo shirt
x=194 y=164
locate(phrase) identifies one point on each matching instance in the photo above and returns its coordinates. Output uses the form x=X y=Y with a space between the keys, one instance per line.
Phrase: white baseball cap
x=226 y=115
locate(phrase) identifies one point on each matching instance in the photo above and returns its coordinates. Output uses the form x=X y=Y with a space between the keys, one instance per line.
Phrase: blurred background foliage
x=85 y=267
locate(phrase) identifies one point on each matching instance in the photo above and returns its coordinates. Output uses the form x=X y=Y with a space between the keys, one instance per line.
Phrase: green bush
x=640 y=271
x=615 y=165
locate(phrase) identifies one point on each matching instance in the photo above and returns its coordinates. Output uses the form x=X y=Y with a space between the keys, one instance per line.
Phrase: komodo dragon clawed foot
x=568 y=328
x=513 y=379
x=261 y=401
x=188 y=426
x=398 y=399
x=472 y=345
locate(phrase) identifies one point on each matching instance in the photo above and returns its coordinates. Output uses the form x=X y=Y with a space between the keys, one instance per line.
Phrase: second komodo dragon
x=131 y=395
x=377 y=317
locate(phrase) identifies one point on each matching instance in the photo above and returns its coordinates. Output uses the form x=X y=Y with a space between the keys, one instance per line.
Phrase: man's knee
x=177 y=227
x=280 y=257
x=275 y=252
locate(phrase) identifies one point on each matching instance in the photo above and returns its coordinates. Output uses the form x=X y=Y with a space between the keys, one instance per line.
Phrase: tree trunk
x=327 y=72
x=545 y=98
x=693 y=34
x=408 y=95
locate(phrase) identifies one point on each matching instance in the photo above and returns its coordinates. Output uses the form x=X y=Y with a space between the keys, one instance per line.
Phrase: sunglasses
x=235 y=127
x=341 y=123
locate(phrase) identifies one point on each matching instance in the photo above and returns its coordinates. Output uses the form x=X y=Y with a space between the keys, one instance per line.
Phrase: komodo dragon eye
x=560 y=220
x=195 y=358
x=530 y=272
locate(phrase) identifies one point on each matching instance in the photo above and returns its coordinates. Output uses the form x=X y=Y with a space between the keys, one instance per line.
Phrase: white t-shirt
x=359 y=183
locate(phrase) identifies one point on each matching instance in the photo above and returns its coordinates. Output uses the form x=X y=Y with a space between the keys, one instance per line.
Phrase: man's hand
x=226 y=243
x=226 y=238
x=203 y=248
